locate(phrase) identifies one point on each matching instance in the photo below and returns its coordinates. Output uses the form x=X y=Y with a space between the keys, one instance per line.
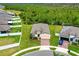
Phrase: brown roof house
x=70 y=33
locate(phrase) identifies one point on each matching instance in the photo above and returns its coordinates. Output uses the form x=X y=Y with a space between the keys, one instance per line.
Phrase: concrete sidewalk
x=9 y=46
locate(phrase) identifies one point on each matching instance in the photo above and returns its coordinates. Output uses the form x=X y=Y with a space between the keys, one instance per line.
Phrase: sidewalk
x=9 y=46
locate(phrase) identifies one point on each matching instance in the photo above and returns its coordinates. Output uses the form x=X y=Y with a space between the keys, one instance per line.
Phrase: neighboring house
x=4 y=25
x=38 y=29
x=4 y=15
x=70 y=33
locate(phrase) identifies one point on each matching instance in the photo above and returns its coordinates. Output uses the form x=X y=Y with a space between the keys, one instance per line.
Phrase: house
x=70 y=34
x=4 y=25
x=40 y=29
x=5 y=15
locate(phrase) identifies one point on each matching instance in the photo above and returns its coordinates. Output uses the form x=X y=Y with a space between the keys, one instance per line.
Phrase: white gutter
x=10 y=34
x=14 y=21
x=15 y=26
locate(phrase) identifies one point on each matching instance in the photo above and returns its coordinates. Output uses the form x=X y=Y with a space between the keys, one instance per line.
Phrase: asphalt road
x=40 y=53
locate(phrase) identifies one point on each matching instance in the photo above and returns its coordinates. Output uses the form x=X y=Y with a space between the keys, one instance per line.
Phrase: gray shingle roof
x=43 y=28
x=4 y=17
x=70 y=30
x=4 y=27
x=3 y=22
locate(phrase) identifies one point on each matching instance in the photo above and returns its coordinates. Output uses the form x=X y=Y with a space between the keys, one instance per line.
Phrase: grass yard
x=36 y=49
x=17 y=29
x=74 y=48
x=9 y=40
x=54 y=39
x=16 y=24
x=9 y=52
x=25 y=40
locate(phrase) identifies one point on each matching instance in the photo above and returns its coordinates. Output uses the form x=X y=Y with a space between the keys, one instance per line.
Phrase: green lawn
x=74 y=48
x=54 y=39
x=9 y=52
x=9 y=40
x=25 y=40
x=16 y=24
x=13 y=30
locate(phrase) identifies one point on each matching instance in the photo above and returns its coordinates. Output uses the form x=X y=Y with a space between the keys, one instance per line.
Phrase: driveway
x=45 y=42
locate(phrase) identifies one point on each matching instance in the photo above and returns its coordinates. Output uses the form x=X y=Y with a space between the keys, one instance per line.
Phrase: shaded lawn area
x=17 y=29
x=9 y=40
x=9 y=52
x=54 y=29
x=25 y=40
